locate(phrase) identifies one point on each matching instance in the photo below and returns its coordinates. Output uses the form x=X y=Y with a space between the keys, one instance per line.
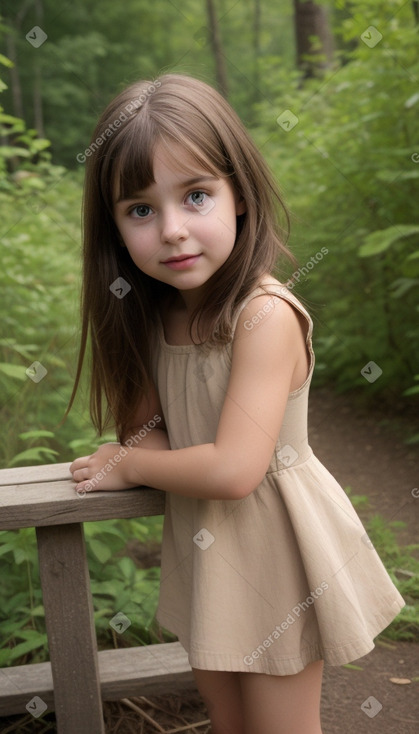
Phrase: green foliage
x=93 y=49
x=117 y=584
x=349 y=172
x=20 y=147
x=402 y=564
x=40 y=323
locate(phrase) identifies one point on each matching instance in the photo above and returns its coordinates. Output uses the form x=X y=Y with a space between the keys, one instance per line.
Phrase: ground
x=365 y=449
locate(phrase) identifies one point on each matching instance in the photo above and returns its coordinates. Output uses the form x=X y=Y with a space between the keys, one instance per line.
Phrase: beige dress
x=281 y=578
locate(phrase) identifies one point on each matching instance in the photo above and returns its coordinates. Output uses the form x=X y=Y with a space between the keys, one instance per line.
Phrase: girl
x=266 y=568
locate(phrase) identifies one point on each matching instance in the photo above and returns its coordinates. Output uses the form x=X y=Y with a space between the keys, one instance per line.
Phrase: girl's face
x=182 y=228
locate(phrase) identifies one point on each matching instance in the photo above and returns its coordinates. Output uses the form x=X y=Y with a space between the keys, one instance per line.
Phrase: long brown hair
x=174 y=109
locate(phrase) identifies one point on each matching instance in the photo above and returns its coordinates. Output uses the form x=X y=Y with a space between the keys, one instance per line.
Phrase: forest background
x=329 y=91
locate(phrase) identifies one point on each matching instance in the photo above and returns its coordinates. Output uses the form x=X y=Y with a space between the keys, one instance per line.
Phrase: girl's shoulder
x=271 y=288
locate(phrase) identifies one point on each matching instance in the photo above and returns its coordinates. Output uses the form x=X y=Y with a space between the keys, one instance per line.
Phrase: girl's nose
x=174 y=226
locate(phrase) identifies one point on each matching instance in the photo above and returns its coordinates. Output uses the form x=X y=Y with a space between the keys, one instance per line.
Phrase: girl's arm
x=149 y=428
x=267 y=360
x=157 y=438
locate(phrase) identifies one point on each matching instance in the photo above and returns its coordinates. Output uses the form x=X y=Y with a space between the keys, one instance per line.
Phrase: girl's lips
x=183 y=264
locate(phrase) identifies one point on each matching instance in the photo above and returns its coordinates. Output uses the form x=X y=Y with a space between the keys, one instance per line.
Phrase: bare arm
x=156 y=438
x=265 y=361
x=149 y=428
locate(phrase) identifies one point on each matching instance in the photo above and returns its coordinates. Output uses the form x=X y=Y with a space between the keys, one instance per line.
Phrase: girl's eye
x=198 y=197
x=141 y=211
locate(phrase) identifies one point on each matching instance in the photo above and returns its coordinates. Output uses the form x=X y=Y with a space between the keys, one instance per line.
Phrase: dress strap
x=278 y=290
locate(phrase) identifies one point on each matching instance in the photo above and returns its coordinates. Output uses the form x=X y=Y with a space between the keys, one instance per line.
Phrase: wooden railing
x=78 y=678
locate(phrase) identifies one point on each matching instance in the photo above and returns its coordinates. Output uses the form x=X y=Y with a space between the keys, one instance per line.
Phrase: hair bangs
x=173 y=143
x=132 y=159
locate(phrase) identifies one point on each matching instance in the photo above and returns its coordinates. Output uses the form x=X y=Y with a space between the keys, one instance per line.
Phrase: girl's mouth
x=181 y=263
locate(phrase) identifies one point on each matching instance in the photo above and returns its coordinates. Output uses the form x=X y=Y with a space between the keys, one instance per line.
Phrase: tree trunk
x=37 y=86
x=14 y=75
x=220 y=70
x=314 y=39
x=257 y=12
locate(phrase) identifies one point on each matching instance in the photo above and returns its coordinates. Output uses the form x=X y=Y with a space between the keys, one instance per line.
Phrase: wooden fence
x=78 y=678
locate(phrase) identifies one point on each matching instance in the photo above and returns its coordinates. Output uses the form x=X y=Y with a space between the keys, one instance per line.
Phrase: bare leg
x=288 y=704
x=222 y=696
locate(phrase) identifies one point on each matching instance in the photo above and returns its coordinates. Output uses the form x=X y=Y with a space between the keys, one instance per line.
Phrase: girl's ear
x=240 y=206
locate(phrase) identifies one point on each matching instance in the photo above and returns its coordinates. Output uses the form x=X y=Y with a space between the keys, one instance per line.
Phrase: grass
x=402 y=564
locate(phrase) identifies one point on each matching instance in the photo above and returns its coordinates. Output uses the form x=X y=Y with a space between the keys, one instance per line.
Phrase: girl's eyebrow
x=180 y=185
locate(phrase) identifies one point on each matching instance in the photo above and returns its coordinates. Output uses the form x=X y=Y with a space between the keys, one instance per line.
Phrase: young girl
x=205 y=362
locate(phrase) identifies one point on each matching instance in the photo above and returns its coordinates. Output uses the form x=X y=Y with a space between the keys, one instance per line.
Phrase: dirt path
x=365 y=451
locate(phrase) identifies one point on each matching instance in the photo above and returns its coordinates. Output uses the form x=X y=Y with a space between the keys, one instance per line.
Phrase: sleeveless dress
x=281 y=578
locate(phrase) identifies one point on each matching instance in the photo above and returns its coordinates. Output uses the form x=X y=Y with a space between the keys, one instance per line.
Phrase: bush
x=349 y=169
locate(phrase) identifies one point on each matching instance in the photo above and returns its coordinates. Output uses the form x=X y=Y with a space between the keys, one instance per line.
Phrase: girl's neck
x=175 y=317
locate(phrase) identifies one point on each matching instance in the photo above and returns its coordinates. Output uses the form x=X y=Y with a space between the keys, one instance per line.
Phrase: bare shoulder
x=270 y=328
x=272 y=314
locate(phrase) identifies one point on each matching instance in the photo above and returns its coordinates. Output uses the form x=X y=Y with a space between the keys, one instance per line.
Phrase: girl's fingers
x=81 y=475
x=83 y=487
x=79 y=463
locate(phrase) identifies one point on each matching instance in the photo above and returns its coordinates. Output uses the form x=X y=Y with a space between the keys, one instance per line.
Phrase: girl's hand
x=106 y=469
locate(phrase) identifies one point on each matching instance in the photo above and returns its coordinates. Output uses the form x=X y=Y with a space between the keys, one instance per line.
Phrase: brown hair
x=172 y=109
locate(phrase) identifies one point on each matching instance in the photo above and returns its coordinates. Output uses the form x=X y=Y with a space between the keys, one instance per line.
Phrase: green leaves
x=36 y=434
x=101 y=551
x=15 y=371
x=414 y=99
x=32 y=640
x=35 y=455
x=380 y=241
x=350 y=174
x=117 y=584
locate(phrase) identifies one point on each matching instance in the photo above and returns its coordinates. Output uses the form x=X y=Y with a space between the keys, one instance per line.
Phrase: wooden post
x=71 y=633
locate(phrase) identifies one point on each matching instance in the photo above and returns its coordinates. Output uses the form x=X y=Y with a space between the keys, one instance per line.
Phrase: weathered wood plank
x=57 y=503
x=134 y=671
x=70 y=627
x=141 y=671
x=19 y=684
x=39 y=473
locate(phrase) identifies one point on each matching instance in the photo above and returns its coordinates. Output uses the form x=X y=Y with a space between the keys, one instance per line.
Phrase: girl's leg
x=222 y=697
x=288 y=704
